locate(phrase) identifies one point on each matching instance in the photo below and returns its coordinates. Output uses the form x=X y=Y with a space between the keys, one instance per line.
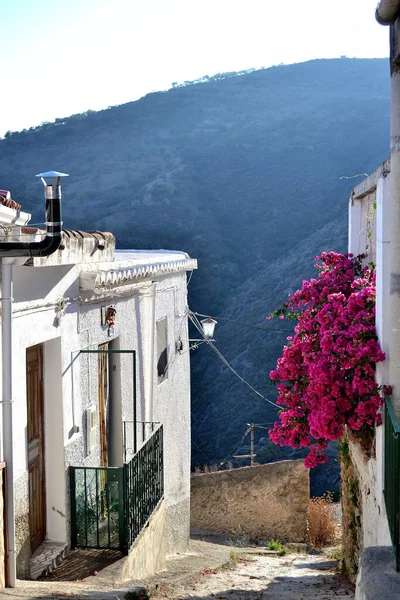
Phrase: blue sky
x=59 y=57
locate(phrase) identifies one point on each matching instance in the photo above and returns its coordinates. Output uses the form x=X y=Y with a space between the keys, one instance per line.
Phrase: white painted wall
x=172 y=408
x=70 y=385
x=376 y=189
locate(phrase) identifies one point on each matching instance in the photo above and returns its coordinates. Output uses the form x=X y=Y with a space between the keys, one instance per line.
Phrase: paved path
x=200 y=575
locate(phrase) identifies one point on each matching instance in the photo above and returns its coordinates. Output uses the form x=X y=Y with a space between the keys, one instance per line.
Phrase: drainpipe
x=387 y=11
x=9 y=251
x=152 y=331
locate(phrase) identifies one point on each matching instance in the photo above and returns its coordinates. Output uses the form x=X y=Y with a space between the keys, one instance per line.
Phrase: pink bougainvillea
x=326 y=375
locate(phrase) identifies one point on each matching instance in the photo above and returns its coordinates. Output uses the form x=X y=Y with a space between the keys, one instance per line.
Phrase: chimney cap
x=52 y=174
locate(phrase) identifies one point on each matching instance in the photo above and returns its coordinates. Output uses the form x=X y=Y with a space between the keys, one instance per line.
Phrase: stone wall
x=364 y=514
x=264 y=502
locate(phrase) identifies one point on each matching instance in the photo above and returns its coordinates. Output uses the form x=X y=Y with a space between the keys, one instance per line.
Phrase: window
x=162 y=351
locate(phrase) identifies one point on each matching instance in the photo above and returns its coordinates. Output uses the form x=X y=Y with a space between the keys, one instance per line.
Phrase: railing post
x=72 y=483
x=124 y=438
x=121 y=508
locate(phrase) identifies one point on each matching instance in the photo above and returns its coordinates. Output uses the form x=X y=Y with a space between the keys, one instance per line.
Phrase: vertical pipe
x=152 y=331
x=147 y=357
x=6 y=345
x=124 y=439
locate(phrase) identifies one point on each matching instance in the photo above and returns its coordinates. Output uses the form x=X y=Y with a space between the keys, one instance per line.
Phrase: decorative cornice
x=114 y=277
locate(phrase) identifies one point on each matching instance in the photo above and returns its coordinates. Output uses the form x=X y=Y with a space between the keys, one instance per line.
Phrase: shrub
x=277 y=546
x=326 y=375
x=321 y=522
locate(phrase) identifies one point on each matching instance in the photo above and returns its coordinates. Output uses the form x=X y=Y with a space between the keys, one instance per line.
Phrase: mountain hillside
x=243 y=172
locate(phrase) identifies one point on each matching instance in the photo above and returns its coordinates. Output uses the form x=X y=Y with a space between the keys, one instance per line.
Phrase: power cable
x=203 y=453
x=235 y=448
x=196 y=323
x=226 y=363
x=245 y=324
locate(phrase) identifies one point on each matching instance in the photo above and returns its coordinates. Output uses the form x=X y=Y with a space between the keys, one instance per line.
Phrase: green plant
x=233 y=558
x=277 y=546
x=336 y=553
x=344 y=451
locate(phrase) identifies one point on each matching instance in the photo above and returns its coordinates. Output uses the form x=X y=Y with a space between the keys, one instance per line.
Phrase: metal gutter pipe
x=52 y=240
x=387 y=11
x=9 y=251
x=6 y=344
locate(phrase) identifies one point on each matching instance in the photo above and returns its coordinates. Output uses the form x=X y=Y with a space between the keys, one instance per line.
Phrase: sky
x=60 y=57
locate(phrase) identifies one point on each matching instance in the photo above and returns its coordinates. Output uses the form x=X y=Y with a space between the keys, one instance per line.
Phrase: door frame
x=41 y=453
x=133 y=354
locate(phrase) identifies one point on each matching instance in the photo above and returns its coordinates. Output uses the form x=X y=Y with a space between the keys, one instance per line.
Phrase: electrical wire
x=196 y=323
x=245 y=324
x=231 y=453
x=203 y=453
x=226 y=363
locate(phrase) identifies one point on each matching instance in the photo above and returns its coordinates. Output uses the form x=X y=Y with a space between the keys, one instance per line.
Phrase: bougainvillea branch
x=326 y=375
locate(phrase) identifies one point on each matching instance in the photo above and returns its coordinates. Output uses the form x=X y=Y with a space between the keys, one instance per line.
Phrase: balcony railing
x=135 y=433
x=392 y=476
x=111 y=505
x=144 y=485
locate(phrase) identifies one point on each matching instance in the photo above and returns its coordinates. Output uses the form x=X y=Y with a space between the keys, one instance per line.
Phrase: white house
x=100 y=399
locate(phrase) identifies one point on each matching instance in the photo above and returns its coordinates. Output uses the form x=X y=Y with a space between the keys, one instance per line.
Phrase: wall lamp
x=206 y=329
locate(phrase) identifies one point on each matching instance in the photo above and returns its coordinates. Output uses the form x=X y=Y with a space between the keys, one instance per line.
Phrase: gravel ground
x=204 y=573
x=292 y=577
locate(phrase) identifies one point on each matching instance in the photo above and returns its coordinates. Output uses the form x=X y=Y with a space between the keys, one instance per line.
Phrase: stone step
x=47 y=557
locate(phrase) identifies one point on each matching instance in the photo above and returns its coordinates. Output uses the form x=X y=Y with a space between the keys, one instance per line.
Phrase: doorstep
x=47 y=557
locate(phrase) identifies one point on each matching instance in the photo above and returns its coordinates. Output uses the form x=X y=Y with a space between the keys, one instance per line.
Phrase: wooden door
x=103 y=393
x=36 y=462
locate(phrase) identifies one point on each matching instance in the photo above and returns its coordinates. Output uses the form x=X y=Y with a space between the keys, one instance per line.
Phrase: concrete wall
x=70 y=387
x=147 y=555
x=269 y=501
x=172 y=408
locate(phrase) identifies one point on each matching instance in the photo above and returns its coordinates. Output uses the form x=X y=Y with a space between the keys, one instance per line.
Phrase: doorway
x=36 y=449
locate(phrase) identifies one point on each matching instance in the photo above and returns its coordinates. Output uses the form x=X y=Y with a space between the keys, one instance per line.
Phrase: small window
x=162 y=352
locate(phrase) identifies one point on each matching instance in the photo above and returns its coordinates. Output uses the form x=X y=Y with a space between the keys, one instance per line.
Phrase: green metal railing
x=144 y=486
x=111 y=505
x=392 y=476
x=97 y=508
x=134 y=431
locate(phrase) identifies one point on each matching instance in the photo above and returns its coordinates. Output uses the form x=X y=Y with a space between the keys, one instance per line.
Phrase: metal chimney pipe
x=52 y=240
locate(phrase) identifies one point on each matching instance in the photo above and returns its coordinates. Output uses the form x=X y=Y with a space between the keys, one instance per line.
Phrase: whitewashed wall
x=68 y=374
x=369 y=210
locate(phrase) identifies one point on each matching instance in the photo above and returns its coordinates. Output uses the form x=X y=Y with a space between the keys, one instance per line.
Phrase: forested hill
x=246 y=174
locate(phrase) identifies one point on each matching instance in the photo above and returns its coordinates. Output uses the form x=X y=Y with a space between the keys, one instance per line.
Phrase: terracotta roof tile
x=5 y=199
